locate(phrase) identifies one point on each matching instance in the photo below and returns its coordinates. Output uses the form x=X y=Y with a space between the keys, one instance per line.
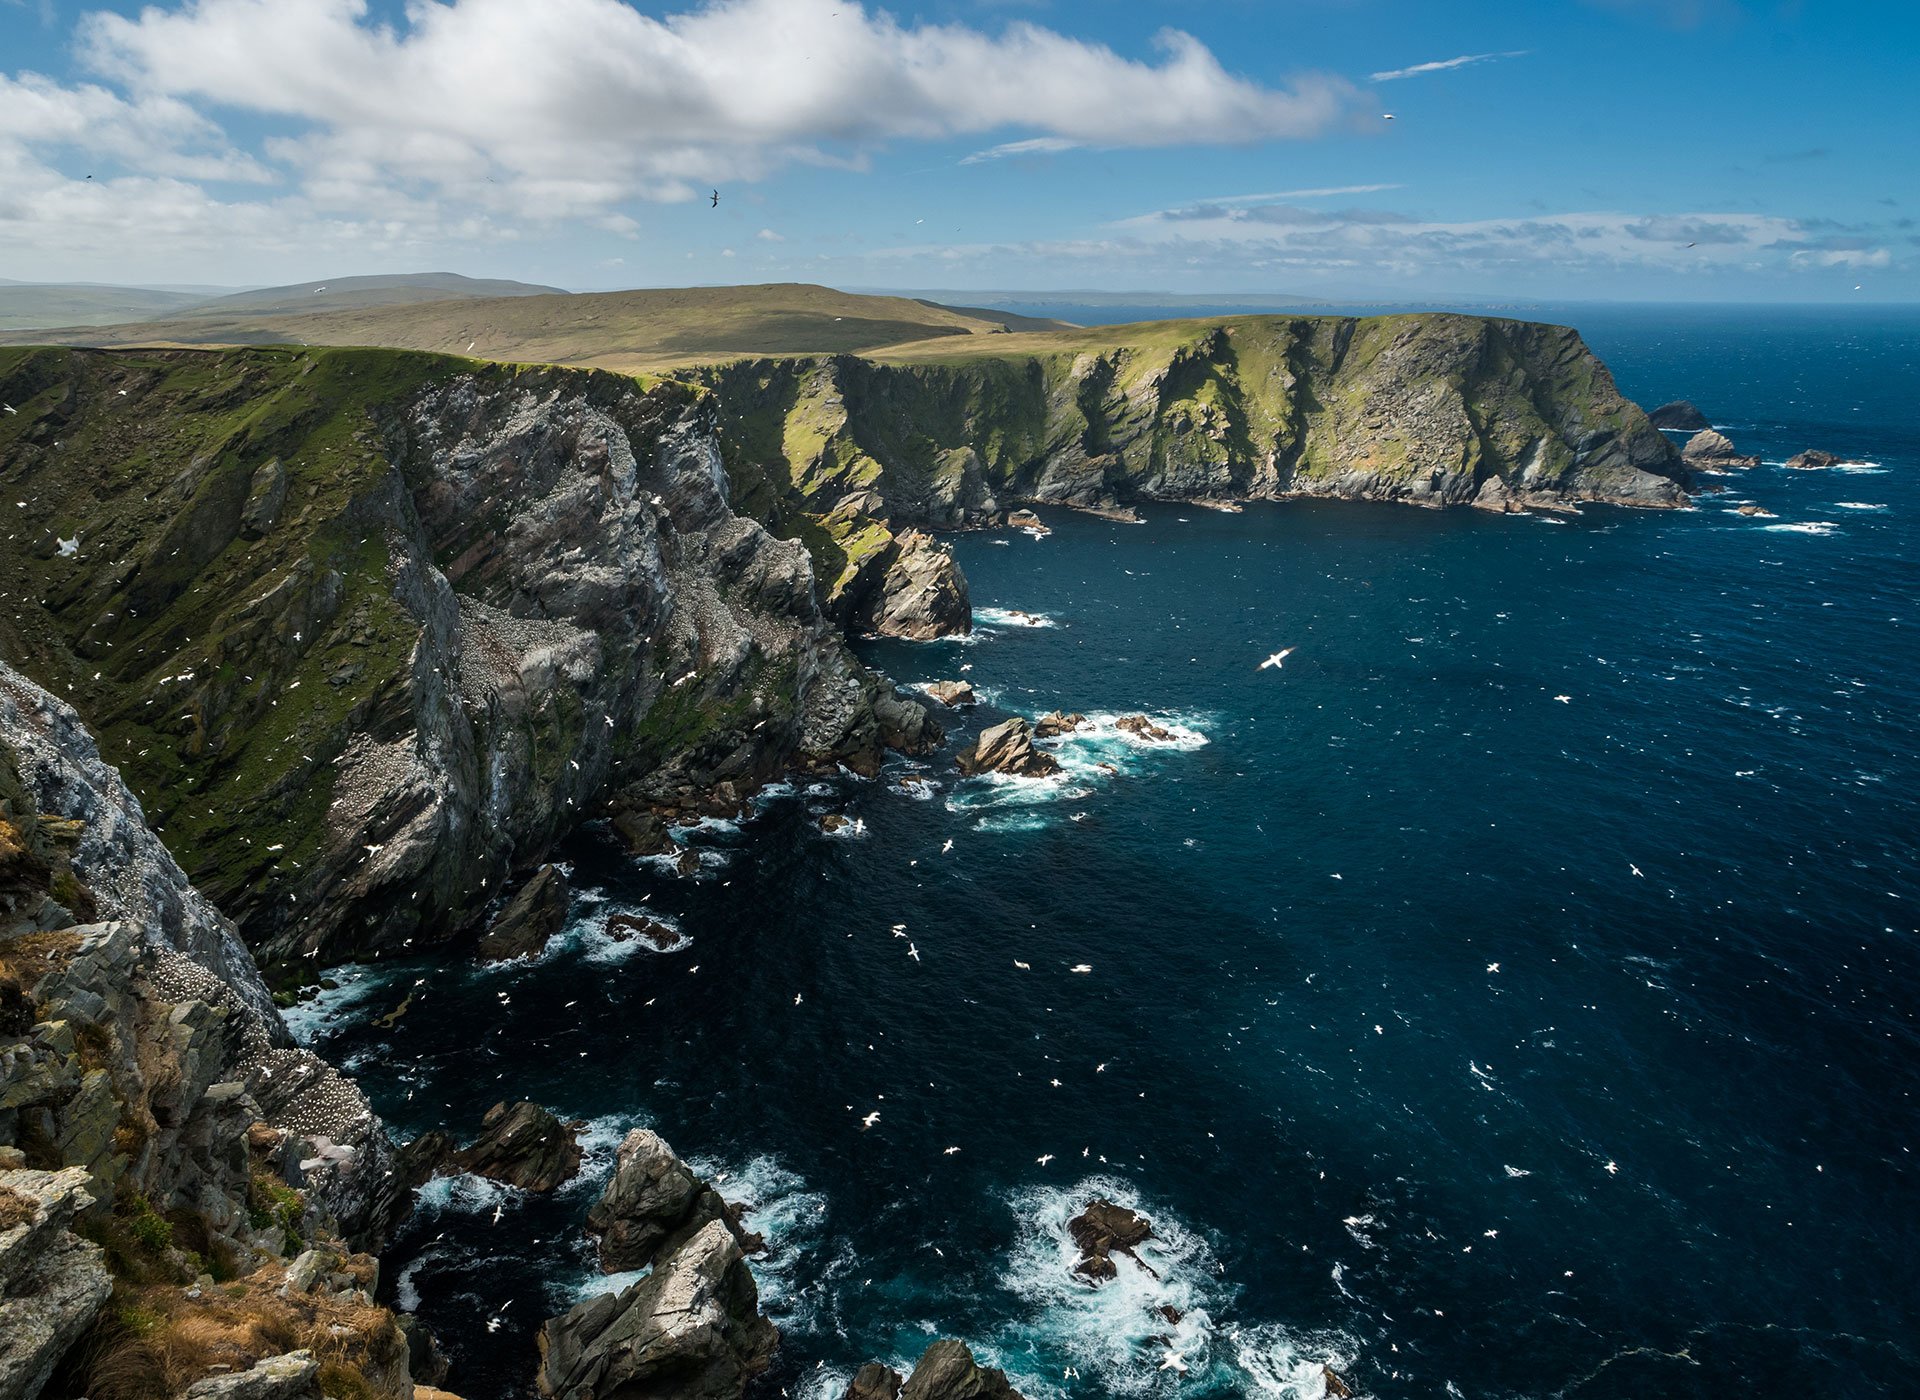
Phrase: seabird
x=913 y=952
x=1387 y=116
x=949 y=1151
x=1174 y=1362
x=1024 y=967
x=1275 y=660
x=796 y=998
x=949 y=846
x=870 y=1119
x=69 y=548
x=1613 y=1168
x=1081 y=967
x=9 y=408
x=716 y=199
x=1044 y=1158
x=1564 y=699
x=1493 y=967
x=1635 y=869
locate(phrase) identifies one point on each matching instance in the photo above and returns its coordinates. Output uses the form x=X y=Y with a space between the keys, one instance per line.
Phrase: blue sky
x=1555 y=149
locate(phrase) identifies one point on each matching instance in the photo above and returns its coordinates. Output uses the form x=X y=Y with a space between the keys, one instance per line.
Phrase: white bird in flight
x=949 y=846
x=1635 y=869
x=1044 y=1158
x=1024 y=967
x=1564 y=699
x=870 y=1119
x=10 y=409
x=69 y=548
x=1275 y=660
x=1081 y=967
x=1174 y=1362
x=913 y=952
x=949 y=1151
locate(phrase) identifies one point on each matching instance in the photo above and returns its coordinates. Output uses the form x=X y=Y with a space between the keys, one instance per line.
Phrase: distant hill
x=634 y=330
x=60 y=308
x=24 y=305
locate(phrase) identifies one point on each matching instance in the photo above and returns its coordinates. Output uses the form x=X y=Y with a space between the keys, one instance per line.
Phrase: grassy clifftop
x=1430 y=409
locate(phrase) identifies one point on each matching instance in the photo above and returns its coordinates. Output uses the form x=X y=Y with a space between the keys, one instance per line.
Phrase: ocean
x=1513 y=994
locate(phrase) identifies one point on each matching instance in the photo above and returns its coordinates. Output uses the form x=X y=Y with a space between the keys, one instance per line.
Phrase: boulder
x=1760 y=511
x=294 y=1376
x=947 y=1371
x=874 y=1382
x=1008 y=748
x=537 y=911
x=653 y=1202
x=522 y=1145
x=1715 y=452
x=621 y=927
x=1027 y=520
x=1054 y=723
x=1680 y=416
x=949 y=693
x=1143 y=728
x=691 y=1329
x=921 y=595
x=1815 y=460
x=1103 y=1230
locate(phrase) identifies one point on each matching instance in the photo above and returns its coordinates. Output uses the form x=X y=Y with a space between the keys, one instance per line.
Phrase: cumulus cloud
x=578 y=104
x=1441 y=65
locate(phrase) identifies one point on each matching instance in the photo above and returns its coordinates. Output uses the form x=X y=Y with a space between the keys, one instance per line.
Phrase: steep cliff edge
x=1432 y=410
x=367 y=631
x=182 y=1194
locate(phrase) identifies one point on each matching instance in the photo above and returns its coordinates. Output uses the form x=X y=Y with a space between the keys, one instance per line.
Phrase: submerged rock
x=950 y=693
x=1054 y=723
x=652 y=1203
x=1814 y=460
x=1143 y=728
x=691 y=1330
x=621 y=927
x=1679 y=415
x=523 y=1145
x=1008 y=748
x=1103 y=1230
x=537 y=911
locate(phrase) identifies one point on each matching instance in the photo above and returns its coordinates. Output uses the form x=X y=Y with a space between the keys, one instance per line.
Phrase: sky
x=1714 y=150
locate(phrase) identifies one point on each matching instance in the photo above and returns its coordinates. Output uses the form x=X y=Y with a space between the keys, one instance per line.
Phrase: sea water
x=1512 y=993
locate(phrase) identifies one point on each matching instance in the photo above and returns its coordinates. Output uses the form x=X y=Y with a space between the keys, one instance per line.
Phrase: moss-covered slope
x=1428 y=409
x=368 y=630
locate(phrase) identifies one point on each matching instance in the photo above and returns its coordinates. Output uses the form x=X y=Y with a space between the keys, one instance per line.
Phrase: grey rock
x=1054 y=723
x=921 y=595
x=874 y=1381
x=690 y=1330
x=1813 y=459
x=52 y=1283
x=1714 y=451
x=266 y=497
x=537 y=911
x=293 y=1376
x=523 y=1145
x=1680 y=416
x=952 y=694
x=947 y=1371
x=651 y=1203
x=1007 y=747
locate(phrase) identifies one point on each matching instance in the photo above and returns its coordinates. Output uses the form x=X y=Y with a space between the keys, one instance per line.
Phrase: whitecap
x=1858 y=505
x=852 y=829
x=791 y=1216
x=1010 y=617
x=1805 y=527
x=326 y=1009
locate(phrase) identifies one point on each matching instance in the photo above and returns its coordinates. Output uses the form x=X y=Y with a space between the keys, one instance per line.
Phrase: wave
x=1858 y=505
x=326 y=1009
x=1095 y=752
x=1117 y=1335
x=1805 y=527
x=997 y=618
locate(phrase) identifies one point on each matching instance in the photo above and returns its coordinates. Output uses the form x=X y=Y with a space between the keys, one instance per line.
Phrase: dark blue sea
x=1513 y=994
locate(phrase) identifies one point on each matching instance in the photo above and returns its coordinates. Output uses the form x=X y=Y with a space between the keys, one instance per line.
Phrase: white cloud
x=767 y=235
x=1035 y=146
x=1323 y=193
x=570 y=106
x=1441 y=65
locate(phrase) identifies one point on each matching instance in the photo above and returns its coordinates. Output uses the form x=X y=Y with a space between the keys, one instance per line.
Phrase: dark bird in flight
x=716 y=199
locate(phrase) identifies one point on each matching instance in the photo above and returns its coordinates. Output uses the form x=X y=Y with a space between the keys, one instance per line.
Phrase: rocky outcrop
x=952 y=694
x=1430 y=409
x=945 y=1371
x=1007 y=748
x=1028 y=521
x=134 y=1073
x=293 y=1376
x=921 y=593
x=1679 y=416
x=1054 y=723
x=1708 y=450
x=1143 y=728
x=537 y=911
x=1103 y=1230
x=1813 y=459
x=621 y=927
x=523 y=1145
x=691 y=1329
x=652 y=1203
x=52 y=1283
x=489 y=604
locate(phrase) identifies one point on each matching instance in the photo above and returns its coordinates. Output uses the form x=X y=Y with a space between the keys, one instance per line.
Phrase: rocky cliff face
x=1433 y=410
x=368 y=631
x=158 y=1135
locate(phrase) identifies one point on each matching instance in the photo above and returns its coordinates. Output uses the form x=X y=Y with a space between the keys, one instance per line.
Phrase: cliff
x=182 y=1194
x=1432 y=410
x=368 y=631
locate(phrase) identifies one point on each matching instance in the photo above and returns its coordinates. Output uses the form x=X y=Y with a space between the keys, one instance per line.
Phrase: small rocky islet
x=369 y=632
